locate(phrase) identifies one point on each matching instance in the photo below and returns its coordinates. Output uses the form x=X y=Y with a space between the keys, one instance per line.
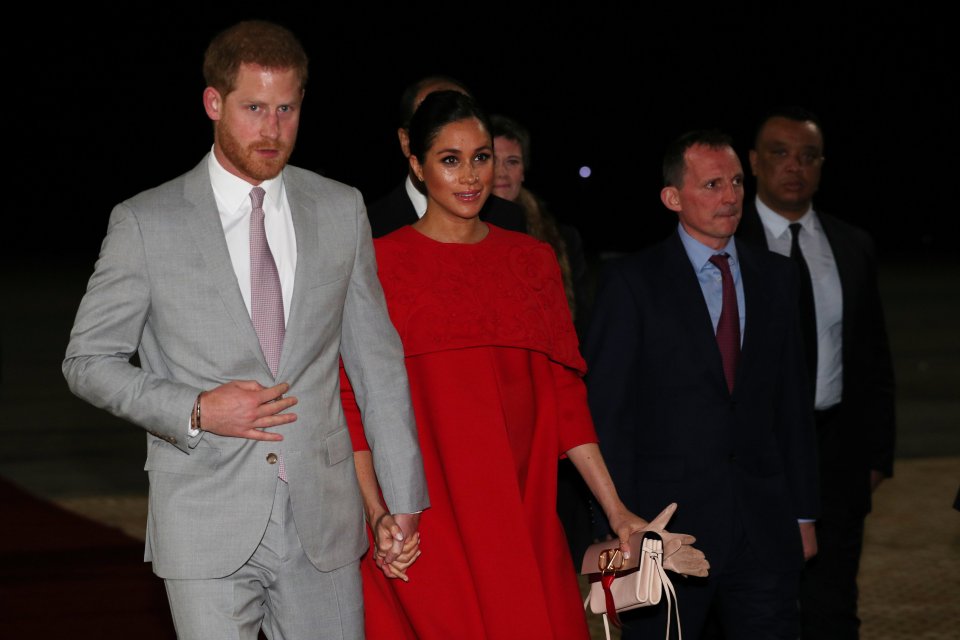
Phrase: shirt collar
x=234 y=192
x=700 y=254
x=418 y=200
x=778 y=225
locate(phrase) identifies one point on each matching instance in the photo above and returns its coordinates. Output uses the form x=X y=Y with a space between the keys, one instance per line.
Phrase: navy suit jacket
x=867 y=437
x=395 y=210
x=669 y=428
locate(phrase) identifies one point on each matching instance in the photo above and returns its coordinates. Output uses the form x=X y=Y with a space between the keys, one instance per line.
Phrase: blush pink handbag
x=621 y=584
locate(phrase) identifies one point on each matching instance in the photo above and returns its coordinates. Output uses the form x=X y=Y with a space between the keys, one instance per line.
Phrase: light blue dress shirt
x=711 y=282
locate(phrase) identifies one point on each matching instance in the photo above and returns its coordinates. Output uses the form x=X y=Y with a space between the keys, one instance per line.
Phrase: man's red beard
x=249 y=162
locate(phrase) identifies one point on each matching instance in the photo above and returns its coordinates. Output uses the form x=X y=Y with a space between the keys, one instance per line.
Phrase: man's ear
x=670 y=197
x=753 y=162
x=212 y=103
x=404 y=136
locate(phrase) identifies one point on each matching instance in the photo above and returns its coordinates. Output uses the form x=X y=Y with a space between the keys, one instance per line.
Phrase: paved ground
x=60 y=448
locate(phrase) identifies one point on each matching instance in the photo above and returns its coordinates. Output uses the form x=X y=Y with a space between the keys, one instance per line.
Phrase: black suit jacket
x=669 y=428
x=395 y=210
x=866 y=439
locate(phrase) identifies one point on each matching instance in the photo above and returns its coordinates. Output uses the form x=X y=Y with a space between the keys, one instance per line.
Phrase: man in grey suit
x=241 y=284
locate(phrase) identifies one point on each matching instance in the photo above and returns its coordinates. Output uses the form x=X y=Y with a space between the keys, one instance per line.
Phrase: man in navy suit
x=406 y=203
x=698 y=387
x=848 y=355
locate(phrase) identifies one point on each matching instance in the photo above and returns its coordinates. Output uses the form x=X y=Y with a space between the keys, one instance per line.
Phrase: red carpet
x=63 y=576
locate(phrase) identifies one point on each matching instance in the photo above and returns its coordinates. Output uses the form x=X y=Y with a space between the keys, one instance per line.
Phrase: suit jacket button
x=272 y=458
x=172 y=440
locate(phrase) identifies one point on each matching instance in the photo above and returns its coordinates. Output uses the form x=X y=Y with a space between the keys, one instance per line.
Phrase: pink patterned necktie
x=266 y=297
x=728 y=328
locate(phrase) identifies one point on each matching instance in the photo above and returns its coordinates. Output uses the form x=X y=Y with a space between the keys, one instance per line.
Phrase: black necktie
x=808 y=314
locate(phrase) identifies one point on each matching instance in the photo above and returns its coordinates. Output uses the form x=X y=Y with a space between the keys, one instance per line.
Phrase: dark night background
x=103 y=103
x=110 y=104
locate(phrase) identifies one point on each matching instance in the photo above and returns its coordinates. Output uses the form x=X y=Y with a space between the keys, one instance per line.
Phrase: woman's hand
x=624 y=524
x=386 y=534
x=678 y=555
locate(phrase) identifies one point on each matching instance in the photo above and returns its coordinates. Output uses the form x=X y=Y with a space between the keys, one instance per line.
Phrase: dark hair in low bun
x=437 y=111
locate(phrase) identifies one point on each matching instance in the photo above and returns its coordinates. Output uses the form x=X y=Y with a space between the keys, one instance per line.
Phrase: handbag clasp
x=610 y=560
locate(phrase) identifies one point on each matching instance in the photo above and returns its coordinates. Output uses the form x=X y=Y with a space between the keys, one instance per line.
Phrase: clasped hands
x=396 y=543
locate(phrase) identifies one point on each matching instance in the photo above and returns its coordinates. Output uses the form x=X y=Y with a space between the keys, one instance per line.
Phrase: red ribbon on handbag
x=606 y=580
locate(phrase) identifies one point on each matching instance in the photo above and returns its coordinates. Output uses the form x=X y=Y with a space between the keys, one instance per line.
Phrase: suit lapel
x=755 y=289
x=849 y=271
x=320 y=256
x=405 y=205
x=305 y=227
x=207 y=231
x=845 y=266
x=684 y=287
x=751 y=228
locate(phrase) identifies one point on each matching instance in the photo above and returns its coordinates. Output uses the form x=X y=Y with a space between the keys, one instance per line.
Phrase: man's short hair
x=790 y=112
x=409 y=96
x=504 y=127
x=252 y=42
x=674 y=162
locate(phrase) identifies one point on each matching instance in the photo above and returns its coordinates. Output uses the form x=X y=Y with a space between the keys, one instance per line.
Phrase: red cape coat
x=495 y=379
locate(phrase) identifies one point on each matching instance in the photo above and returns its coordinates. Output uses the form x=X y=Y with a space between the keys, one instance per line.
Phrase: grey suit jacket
x=164 y=287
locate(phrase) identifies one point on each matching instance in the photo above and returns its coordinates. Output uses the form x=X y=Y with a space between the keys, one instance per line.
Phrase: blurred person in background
x=407 y=202
x=512 y=154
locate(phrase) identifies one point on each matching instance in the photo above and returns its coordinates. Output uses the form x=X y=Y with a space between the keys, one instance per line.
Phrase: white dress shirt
x=233 y=203
x=418 y=199
x=827 y=294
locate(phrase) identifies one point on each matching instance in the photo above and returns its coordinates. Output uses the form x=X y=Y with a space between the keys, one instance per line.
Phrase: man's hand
x=808 y=535
x=408 y=523
x=395 y=550
x=242 y=408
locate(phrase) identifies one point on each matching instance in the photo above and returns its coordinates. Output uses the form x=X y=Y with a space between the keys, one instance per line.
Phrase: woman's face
x=508 y=168
x=457 y=169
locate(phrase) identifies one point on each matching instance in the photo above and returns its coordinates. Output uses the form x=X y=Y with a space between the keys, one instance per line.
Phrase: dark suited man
x=241 y=284
x=408 y=202
x=848 y=356
x=698 y=389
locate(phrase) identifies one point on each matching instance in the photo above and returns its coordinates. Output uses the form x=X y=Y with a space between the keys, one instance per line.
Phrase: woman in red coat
x=495 y=378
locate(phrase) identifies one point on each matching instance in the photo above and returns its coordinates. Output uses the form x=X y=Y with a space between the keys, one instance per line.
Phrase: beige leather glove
x=678 y=554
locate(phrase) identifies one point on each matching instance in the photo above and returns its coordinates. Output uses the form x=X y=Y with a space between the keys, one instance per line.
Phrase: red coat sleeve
x=575 y=425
